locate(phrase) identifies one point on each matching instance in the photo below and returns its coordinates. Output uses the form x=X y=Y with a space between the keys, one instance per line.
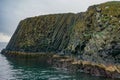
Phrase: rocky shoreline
x=71 y=64
x=95 y=69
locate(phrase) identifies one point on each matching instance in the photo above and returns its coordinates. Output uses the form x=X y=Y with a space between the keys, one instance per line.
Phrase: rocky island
x=88 y=42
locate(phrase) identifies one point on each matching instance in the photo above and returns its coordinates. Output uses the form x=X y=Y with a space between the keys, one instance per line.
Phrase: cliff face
x=94 y=35
x=43 y=33
x=48 y=33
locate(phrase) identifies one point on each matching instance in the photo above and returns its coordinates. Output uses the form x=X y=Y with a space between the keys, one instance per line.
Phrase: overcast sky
x=12 y=11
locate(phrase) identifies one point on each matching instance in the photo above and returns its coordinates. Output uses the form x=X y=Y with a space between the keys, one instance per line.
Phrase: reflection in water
x=5 y=69
x=19 y=69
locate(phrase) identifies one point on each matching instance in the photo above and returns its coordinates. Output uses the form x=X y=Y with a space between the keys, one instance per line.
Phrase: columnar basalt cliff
x=92 y=36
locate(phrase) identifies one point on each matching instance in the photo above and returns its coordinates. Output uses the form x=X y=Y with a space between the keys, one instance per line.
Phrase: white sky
x=4 y=38
x=12 y=11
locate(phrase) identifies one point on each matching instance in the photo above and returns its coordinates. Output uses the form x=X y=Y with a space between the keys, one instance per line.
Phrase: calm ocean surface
x=12 y=69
